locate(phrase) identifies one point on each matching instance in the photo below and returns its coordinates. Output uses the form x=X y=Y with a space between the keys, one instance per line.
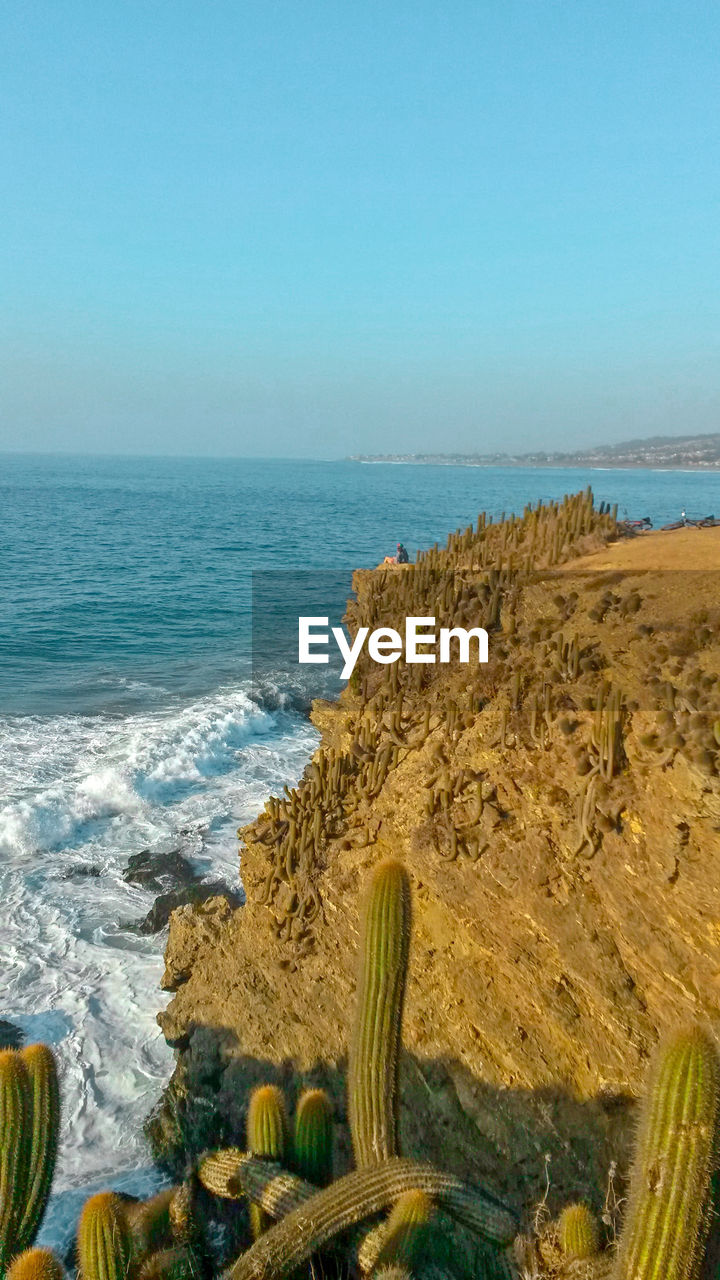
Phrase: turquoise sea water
x=127 y=721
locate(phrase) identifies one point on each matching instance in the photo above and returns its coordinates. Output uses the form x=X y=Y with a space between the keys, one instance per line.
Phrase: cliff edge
x=558 y=810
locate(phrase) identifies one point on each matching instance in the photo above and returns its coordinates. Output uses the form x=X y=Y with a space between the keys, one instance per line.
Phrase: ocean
x=129 y=720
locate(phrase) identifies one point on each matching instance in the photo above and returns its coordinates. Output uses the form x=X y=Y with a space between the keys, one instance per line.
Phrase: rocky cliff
x=558 y=810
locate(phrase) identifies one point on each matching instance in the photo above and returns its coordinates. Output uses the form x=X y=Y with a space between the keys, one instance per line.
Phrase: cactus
x=36 y=1264
x=187 y=1227
x=104 y=1243
x=313 y=1141
x=368 y=1246
x=267 y=1135
x=149 y=1223
x=310 y=1218
x=494 y=1264
x=181 y=1214
x=578 y=1231
x=407 y=1230
x=15 y=1122
x=375 y=1046
x=668 y=1215
x=167 y=1264
x=44 y=1095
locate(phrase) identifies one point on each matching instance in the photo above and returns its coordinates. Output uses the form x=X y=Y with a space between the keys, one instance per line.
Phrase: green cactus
x=668 y=1215
x=313 y=1140
x=375 y=1045
x=104 y=1243
x=309 y=1218
x=36 y=1264
x=578 y=1231
x=493 y=1264
x=267 y=1135
x=44 y=1095
x=149 y=1223
x=407 y=1232
x=15 y=1122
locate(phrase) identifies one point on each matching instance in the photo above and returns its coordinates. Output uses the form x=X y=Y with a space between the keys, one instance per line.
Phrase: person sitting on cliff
x=402 y=556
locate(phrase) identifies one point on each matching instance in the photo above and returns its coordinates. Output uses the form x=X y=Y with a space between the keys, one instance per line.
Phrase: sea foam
x=81 y=794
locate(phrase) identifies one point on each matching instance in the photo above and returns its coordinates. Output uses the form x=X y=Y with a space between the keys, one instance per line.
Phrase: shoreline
x=536 y=466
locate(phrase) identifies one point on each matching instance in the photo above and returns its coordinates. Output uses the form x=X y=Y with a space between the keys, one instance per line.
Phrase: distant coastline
x=659 y=453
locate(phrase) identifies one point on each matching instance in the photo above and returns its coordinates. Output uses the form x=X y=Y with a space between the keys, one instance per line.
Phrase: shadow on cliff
x=538 y=1149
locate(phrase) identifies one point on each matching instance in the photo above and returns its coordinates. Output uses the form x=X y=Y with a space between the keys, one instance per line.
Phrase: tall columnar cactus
x=375 y=1045
x=267 y=1135
x=309 y=1218
x=578 y=1231
x=44 y=1092
x=408 y=1228
x=36 y=1264
x=104 y=1244
x=668 y=1212
x=15 y=1123
x=313 y=1138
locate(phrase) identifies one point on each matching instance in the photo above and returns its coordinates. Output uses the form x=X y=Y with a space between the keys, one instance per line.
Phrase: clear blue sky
x=314 y=228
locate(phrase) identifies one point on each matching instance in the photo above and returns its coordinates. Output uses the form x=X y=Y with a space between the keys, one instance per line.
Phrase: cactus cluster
x=473 y=581
x=685 y=719
x=286 y=1174
x=156 y=1239
x=307 y=1219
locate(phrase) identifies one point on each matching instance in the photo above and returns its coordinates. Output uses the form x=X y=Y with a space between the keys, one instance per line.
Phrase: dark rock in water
x=161 y=872
x=79 y=870
x=159 y=914
x=11 y=1037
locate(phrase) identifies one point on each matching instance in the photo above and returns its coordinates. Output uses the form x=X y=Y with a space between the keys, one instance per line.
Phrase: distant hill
x=666 y=452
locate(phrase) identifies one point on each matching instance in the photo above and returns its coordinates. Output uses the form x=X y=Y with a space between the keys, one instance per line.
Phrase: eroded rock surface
x=570 y=923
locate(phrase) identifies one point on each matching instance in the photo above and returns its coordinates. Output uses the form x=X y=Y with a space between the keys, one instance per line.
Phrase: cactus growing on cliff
x=104 y=1243
x=668 y=1211
x=29 y=1123
x=313 y=1139
x=268 y=1136
x=36 y=1264
x=375 y=1044
x=578 y=1231
x=14 y=1150
x=167 y=1264
x=407 y=1230
x=44 y=1120
x=310 y=1218
x=149 y=1223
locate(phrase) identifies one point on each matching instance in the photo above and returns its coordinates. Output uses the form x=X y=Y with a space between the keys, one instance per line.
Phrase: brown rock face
x=564 y=850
